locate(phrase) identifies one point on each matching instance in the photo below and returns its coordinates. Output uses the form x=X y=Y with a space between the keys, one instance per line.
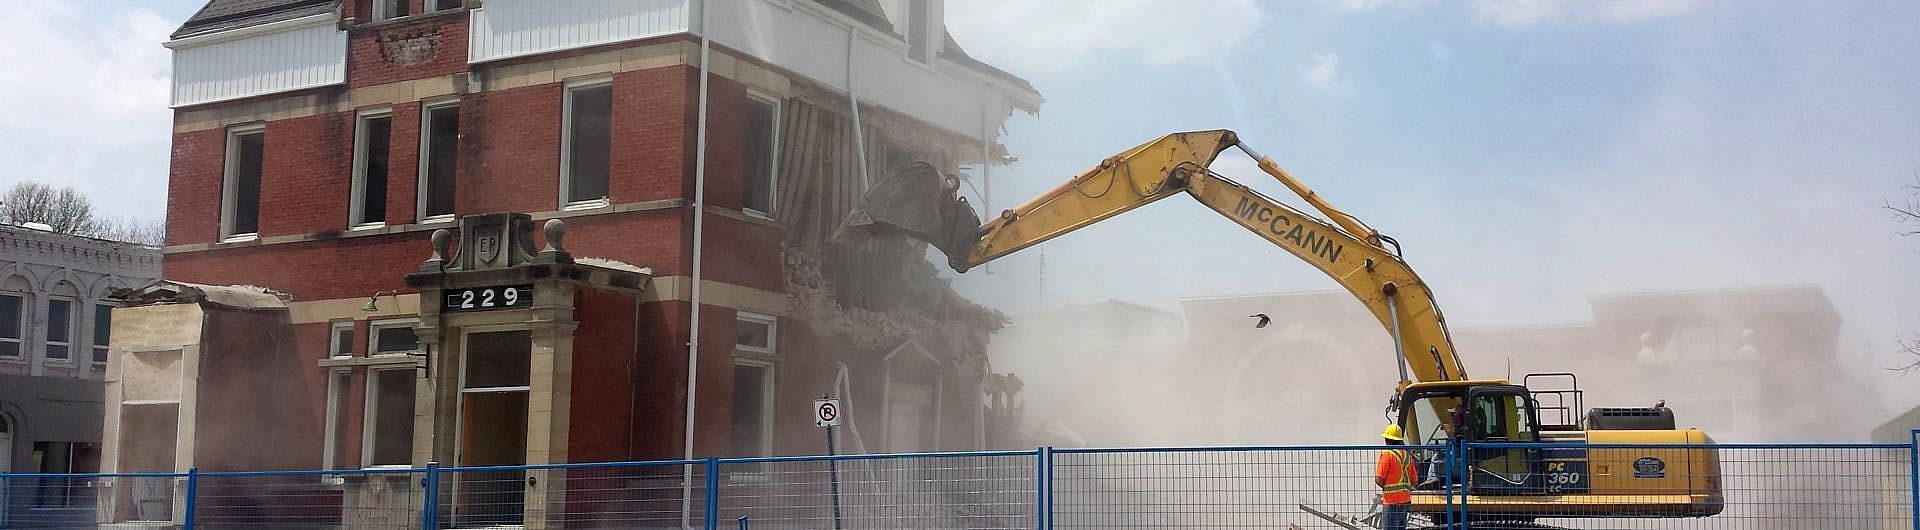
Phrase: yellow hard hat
x=1392 y=433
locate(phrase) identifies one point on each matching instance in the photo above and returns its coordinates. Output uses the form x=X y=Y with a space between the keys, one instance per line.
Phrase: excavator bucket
x=916 y=201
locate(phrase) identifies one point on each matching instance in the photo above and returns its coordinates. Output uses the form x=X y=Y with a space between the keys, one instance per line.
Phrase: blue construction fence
x=1487 y=486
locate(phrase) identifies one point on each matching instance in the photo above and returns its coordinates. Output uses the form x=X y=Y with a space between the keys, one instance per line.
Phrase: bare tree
x=68 y=212
x=1907 y=213
x=64 y=209
x=133 y=230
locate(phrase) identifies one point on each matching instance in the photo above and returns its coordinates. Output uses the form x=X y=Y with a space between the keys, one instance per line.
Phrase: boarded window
x=589 y=140
x=442 y=144
x=372 y=144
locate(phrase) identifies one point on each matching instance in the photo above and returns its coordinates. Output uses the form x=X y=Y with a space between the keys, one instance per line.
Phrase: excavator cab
x=1482 y=412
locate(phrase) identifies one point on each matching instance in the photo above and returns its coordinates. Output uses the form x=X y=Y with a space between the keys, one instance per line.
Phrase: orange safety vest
x=1395 y=474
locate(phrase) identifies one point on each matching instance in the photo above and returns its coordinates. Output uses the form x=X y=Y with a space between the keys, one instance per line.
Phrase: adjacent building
x=55 y=321
x=568 y=195
x=1746 y=365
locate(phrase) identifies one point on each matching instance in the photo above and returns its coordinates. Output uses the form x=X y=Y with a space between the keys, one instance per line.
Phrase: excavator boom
x=1345 y=248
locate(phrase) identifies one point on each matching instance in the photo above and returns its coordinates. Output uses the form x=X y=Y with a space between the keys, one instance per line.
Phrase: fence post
x=430 y=504
x=1043 y=488
x=193 y=491
x=1457 y=470
x=712 y=511
x=1913 y=474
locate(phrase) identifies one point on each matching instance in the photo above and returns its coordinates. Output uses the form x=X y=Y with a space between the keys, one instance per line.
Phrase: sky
x=1528 y=154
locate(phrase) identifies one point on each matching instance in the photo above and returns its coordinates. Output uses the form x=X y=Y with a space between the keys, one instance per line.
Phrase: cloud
x=1521 y=13
x=1322 y=71
x=85 y=92
x=1051 y=35
x=1369 y=5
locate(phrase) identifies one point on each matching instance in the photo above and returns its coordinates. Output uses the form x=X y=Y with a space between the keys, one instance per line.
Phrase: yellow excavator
x=1535 y=453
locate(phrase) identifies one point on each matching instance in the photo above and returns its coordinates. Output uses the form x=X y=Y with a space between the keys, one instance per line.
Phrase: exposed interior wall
x=253 y=407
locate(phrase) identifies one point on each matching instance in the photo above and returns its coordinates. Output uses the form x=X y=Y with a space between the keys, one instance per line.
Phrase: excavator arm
x=1345 y=248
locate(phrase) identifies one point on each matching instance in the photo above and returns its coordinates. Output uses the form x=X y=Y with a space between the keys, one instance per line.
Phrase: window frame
x=566 y=143
x=773 y=335
x=756 y=96
x=422 y=185
x=357 y=195
x=101 y=352
x=46 y=350
x=20 y=326
x=429 y=6
x=333 y=339
x=373 y=337
x=382 y=10
x=229 y=197
x=370 y=415
x=335 y=400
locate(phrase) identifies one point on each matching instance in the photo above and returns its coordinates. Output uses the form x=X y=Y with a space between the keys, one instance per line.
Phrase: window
x=372 y=140
x=59 y=329
x=386 y=9
x=388 y=440
x=63 y=458
x=440 y=5
x=102 y=333
x=393 y=337
x=338 y=386
x=586 y=158
x=763 y=126
x=240 y=197
x=12 y=325
x=754 y=333
x=752 y=402
x=340 y=343
x=439 y=155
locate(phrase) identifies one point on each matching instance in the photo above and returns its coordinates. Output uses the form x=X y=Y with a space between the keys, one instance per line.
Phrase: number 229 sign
x=485 y=298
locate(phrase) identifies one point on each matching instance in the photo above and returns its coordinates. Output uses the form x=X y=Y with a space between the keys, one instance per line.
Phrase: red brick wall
x=653 y=134
x=193 y=186
x=369 y=63
x=342 y=268
x=604 y=354
x=510 y=151
x=306 y=175
x=403 y=165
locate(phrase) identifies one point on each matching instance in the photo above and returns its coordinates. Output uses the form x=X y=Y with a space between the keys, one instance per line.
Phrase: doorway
x=494 y=372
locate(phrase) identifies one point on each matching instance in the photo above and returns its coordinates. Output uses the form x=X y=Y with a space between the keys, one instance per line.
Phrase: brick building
x=319 y=144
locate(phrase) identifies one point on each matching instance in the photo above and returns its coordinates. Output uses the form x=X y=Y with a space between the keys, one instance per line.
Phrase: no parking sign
x=826 y=412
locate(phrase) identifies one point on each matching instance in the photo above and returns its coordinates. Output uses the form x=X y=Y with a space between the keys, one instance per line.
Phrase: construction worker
x=1395 y=474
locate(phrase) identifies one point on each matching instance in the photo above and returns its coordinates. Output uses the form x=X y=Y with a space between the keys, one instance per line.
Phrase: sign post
x=826 y=415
